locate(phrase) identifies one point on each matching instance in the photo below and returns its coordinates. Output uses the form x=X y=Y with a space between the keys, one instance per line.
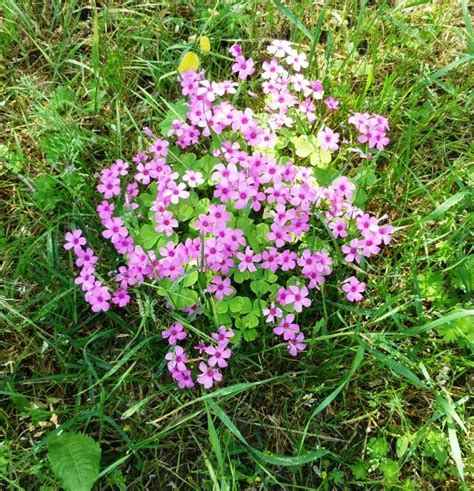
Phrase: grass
x=384 y=388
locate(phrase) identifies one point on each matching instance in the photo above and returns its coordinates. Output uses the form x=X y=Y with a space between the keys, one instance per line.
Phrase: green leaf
x=360 y=198
x=190 y=279
x=221 y=307
x=378 y=447
x=320 y=158
x=307 y=146
x=250 y=334
x=75 y=459
x=390 y=470
x=402 y=445
x=303 y=146
x=148 y=236
x=270 y=277
x=146 y=199
x=183 y=297
x=236 y=304
x=184 y=211
x=224 y=319
x=206 y=164
x=246 y=306
x=241 y=277
x=250 y=320
x=435 y=446
x=325 y=176
x=259 y=287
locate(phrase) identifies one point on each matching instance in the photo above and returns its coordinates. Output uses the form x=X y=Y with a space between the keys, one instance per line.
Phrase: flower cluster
x=217 y=355
x=246 y=234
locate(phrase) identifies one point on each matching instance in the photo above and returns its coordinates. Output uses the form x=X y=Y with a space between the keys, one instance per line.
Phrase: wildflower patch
x=236 y=215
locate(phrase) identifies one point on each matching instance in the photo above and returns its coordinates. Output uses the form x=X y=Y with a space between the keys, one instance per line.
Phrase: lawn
x=382 y=396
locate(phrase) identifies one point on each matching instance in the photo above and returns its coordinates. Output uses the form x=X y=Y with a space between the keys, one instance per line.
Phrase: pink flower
x=74 y=240
x=287 y=328
x=296 y=344
x=193 y=179
x=176 y=192
x=165 y=223
x=270 y=259
x=298 y=297
x=200 y=347
x=338 y=228
x=121 y=298
x=354 y=289
x=114 y=229
x=219 y=355
x=385 y=232
x=177 y=359
x=105 y=210
x=272 y=313
x=160 y=148
x=220 y=287
x=86 y=258
x=235 y=50
x=352 y=251
x=287 y=260
x=247 y=260
x=86 y=279
x=174 y=333
x=208 y=376
x=184 y=378
x=279 y=48
x=328 y=139
x=370 y=246
x=109 y=187
x=279 y=234
x=332 y=103
x=297 y=60
x=343 y=187
x=98 y=298
x=243 y=67
x=223 y=336
x=145 y=173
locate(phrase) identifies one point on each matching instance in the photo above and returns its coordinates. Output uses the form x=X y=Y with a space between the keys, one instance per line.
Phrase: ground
x=384 y=387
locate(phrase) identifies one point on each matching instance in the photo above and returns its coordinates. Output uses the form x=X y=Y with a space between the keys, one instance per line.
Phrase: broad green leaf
x=307 y=146
x=259 y=287
x=235 y=304
x=190 y=279
x=250 y=320
x=250 y=334
x=269 y=276
x=320 y=158
x=148 y=236
x=184 y=211
x=188 y=160
x=303 y=147
x=190 y=61
x=206 y=164
x=75 y=459
x=145 y=199
x=221 y=307
x=246 y=306
x=224 y=319
x=183 y=297
x=325 y=176
x=241 y=277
